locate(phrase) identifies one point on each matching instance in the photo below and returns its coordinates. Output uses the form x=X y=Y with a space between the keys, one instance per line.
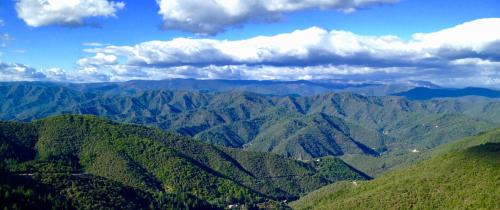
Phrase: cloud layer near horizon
x=478 y=39
x=218 y=15
x=464 y=54
x=36 y=13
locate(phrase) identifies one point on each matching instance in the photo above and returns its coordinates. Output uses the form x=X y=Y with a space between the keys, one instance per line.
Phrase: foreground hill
x=85 y=161
x=463 y=175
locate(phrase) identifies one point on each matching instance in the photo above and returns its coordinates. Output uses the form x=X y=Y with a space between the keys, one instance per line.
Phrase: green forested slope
x=462 y=175
x=429 y=133
x=359 y=128
x=77 y=155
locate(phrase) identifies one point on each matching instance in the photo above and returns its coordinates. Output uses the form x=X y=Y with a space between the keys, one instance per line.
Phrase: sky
x=447 y=42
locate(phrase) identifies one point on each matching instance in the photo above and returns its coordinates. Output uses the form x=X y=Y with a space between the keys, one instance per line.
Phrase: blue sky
x=62 y=46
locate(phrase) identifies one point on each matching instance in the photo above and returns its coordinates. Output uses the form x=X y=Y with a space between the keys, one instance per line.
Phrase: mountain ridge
x=301 y=127
x=268 y=87
x=424 y=93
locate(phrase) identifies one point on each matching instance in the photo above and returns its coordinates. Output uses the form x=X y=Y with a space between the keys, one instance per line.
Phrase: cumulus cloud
x=317 y=46
x=464 y=51
x=214 y=16
x=464 y=55
x=310 y=46
x=38 y=13
x=19 y=72
x=99 y=59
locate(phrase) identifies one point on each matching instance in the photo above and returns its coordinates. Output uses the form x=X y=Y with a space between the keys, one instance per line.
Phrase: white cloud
x=56 y=74
x=466 y=50
x=93 y=44
x=464 y=55
x=99 y=59
x=310 y=46
x=475 y=62
x=20 y=51
x=19 y=72
x=2 y=23
x=317 y=46
x=474 y=35
x=38 y=13
x=213 y=16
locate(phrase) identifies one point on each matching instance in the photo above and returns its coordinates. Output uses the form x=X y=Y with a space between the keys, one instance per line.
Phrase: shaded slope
x=153 y=161
x=63 y=190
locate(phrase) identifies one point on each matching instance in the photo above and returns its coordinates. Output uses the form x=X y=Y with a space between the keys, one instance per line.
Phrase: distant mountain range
x=353 y=126
x=461 y=175
x=416 y=90
x=423 y=93
x=271 y=87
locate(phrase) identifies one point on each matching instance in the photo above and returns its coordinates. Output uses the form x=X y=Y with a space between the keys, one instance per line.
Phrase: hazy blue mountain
x=273 y=87
x=423 y=93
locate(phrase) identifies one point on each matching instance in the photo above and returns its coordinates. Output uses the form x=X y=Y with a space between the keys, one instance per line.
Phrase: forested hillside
x=84 y=161
x=359 y=128
x=462 y=175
